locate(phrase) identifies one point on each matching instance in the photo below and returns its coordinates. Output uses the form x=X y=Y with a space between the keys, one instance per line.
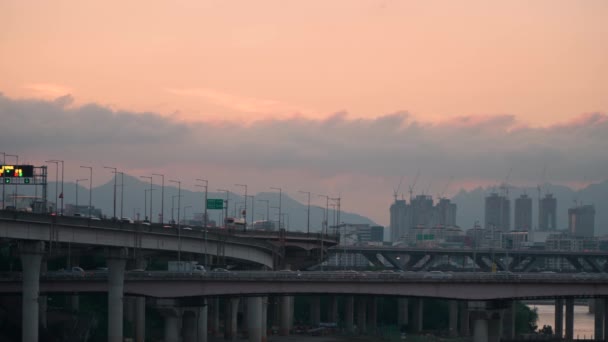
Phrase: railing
x=473 y=277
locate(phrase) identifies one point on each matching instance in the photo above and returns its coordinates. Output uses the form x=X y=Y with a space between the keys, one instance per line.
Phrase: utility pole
x=205 y=202
x=162 y=197
x=122 y=193
x=267 y=210
x=308 y=211
x=90 y=188
x=62 y=195
x=280 y=195
x=151 y=184
x=227 y=199
x=77 y=181
x=245 y=186
x=114 y=171
x=252 y=208
x=179 y=230
x=56 y=162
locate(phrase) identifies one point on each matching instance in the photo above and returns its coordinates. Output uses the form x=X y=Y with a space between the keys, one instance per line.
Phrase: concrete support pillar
x=464 y=320
x=480 y=330
x=189 y=328
x=373 y=315
x=315 y=311
x=599 y=319
x=202 y=322
x=494 y=329
x=31 y=258
x=349 y=309
x=402 y=314
x=286 y=315
x=264 y=319
x=332 y=310
x=74 y=302
x=171 y=328
x=214 y=316
x=254 y=319
x=605 y=319
x=508 y=322
x=418 y=312
x=569 y=318
x=230 y=327
x=116 y=277
x=140 y=319
x=453 y=318
x=559 y=318
x=362 y=315
x=43 y=300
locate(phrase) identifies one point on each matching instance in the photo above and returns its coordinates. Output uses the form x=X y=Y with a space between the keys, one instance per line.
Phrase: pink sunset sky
x=334 y=97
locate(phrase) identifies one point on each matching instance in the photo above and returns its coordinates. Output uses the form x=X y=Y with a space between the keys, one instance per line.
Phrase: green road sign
x=215 y=203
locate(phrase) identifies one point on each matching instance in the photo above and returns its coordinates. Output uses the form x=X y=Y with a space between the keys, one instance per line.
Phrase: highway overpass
x=458 y=286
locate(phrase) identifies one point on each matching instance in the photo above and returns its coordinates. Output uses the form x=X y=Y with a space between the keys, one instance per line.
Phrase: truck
x=185 y=266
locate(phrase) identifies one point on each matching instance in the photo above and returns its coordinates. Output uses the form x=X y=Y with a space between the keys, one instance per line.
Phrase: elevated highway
x=138 y=238
x=459 y=286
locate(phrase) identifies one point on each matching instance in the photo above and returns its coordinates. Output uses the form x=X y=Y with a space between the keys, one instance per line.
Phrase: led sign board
x=17 y=171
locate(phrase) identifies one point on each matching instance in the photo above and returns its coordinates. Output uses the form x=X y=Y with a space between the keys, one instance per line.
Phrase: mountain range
x=470 y=203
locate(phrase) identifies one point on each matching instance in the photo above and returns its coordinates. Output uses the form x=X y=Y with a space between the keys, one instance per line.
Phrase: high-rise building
x=377 y=234
x=445 y=213
x=523 y=213
x=399 y=220
x=422 y=211
x=497 y=213
x=581 y=220
x=547 y=213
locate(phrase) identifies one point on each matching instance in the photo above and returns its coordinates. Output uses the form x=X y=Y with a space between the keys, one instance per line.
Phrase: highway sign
x=215 y=203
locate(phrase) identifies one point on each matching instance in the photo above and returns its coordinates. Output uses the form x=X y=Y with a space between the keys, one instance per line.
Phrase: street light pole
x=245 y=186
x=122 y=192
x=280 y=195
x=114 y=172
x=179 y=230
x=227 y=199
x=90 y=188
x=204 y=203
x=146 y=201
x=186 y=213
x=162 y=197
x=150 y=178
x=77 y=181
x=15 y=194
x=267 y=209
x=56 y=162
x=252 y=208
x=308 y=218
x=62 y=195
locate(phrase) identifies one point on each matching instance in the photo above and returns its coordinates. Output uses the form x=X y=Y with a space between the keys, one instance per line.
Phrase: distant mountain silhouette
x=192 y=202
x=471 y=204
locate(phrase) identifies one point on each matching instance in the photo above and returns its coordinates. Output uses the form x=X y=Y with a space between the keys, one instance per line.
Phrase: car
x=126 y=220
x=145 y=223
x=186 y=228
x=95 y=219
x=220 y=270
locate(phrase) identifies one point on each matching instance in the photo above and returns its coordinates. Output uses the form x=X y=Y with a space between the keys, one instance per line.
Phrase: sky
x=340 y=97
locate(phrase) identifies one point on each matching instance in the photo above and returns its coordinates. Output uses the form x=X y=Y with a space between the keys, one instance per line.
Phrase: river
x=583 y=320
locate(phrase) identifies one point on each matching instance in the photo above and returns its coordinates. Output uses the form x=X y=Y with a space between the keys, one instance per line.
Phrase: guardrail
x=185 y=230
x=473 y=277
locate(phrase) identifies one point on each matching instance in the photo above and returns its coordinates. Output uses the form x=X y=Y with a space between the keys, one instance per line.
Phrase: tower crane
x=396 y=191
x=445 y=188
x=411 y=187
